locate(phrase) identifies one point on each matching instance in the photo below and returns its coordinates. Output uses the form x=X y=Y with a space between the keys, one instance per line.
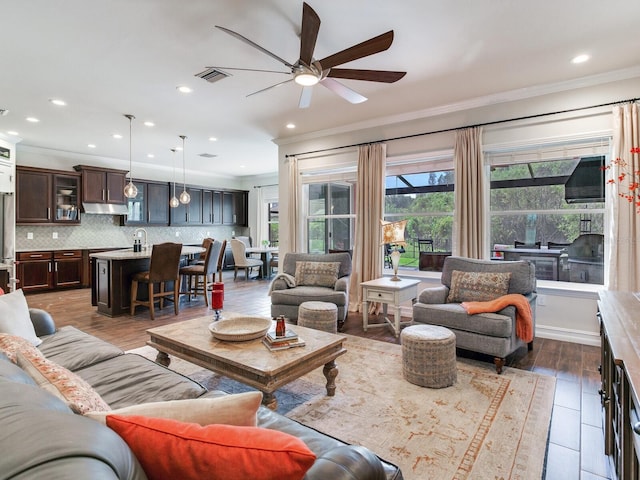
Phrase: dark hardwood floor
x=576 y=443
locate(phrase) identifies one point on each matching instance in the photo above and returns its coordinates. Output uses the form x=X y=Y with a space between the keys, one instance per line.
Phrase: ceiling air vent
x=212 y=74
x=207 y=155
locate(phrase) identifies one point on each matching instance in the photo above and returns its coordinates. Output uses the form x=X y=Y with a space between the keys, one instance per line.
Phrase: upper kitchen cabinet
x=47 y=196
x=150 y=206
x=102 y=185
x=190 y=213
x=234 y=208
x=211 y=207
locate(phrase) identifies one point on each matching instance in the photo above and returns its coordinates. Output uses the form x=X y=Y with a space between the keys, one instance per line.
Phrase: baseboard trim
x=565 y=335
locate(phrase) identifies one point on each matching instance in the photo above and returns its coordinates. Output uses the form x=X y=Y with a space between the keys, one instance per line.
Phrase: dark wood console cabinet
x=620 y=376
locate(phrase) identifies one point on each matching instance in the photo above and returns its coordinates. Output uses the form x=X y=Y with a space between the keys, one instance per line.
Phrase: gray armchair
x=287 y=295
x=487 y=333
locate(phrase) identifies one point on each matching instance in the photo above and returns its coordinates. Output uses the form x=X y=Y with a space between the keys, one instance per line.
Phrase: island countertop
x=129 y=254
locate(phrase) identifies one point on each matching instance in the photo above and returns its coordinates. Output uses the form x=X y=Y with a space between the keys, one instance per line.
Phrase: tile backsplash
x=104 y=231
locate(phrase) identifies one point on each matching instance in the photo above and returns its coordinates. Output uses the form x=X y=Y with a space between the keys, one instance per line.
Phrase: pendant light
x=184 y=196
x=174 y=202
x=130 y=190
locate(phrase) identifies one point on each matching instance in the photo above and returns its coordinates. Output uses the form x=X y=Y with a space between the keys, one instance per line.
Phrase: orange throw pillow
x=170 y=449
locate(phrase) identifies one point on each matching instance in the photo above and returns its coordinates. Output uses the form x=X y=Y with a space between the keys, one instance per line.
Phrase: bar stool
x=220 y=266
x=164 y=267
x=197 y=276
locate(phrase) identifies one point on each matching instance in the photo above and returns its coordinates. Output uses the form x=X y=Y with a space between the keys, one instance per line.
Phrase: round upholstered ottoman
x=429 y=356
x=319 y=315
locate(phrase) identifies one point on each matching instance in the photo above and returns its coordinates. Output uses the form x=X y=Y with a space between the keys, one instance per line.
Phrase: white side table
x=387 y=292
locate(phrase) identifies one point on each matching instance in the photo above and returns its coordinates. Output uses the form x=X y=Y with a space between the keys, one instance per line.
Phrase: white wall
x=567 y=312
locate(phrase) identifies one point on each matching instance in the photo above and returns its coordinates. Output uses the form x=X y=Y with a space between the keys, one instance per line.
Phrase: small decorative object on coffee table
x=240 y=329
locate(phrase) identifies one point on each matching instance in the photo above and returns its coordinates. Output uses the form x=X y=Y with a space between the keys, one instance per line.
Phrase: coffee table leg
x=330 y=372
x=270 y=401
x=163 y=359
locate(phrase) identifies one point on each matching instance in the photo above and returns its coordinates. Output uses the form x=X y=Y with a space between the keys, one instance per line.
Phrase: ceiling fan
x=307 y=71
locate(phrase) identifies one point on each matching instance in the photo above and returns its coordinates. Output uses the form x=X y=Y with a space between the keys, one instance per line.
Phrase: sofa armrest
x=434 y=295
x=342 y=284
x=42 y=322
x=349 y=462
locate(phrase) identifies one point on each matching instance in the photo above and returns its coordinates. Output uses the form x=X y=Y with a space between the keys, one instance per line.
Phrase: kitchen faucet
x=145 y=245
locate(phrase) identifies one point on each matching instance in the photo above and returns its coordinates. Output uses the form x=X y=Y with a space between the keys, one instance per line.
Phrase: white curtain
x=367 y=252
x=623 y=268
x=470 y=210
x=294 y=204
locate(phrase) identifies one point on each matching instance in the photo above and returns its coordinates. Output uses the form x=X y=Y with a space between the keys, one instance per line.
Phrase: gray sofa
x=487 y=333
x=43 y=438
x=287 y=297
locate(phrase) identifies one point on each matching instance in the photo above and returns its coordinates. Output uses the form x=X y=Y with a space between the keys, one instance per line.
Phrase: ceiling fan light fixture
x=306 y=79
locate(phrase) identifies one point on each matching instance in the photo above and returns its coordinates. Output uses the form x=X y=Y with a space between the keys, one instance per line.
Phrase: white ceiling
x=113 y=57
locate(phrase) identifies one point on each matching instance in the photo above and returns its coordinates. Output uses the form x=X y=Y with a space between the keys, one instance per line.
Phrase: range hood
x=586 y=182
x=105 y=208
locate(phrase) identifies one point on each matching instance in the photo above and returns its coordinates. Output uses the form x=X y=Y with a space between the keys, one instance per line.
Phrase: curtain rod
x=262 y=186
x=444 y=130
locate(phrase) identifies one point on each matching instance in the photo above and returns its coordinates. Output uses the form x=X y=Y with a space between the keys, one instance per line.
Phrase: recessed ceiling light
x=32 y=119
x=12 y=132
x=117 y=136
x=291 y=125
x=179 y=149
x=243 y=166
x=213 y=139
x=150 y=155
x=149 y=124
x=58 y=102
x=91 y=145
x=184 y=89
x=580 y=58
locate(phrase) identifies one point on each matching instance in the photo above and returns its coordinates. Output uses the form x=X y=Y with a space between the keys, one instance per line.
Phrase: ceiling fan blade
x=254 y=45
x=305 y=97
x=249 y=70
x=309 y=34
x=384 y=76
x=364 y=49
x=343 y=91
x=269 y=88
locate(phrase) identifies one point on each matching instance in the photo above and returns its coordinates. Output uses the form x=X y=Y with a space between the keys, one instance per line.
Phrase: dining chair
x=202 y=257
x=240 y=260
x=164 y=267
x=196 y=277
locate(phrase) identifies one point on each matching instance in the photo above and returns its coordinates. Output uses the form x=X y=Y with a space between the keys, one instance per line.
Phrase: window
x=330 y=220
x=422 y=192
x=273 y=217
x=561 y=233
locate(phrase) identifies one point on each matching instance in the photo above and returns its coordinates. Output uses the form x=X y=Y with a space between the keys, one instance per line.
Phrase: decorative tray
x=240 y=329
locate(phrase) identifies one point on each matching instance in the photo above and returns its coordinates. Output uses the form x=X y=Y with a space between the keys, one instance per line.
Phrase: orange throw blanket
x=524 y=317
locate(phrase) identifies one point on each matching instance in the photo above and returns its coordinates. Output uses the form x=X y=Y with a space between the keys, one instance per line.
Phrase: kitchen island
x=112 y=272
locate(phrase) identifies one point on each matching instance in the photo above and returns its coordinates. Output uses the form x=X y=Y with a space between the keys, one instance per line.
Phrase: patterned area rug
x=486 y=426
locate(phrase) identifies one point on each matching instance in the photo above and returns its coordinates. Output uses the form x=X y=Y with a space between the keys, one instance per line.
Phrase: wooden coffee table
x=249 y=362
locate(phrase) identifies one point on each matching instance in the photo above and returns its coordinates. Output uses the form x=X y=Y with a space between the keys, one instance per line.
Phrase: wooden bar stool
x=197 y=276
x=164 y=267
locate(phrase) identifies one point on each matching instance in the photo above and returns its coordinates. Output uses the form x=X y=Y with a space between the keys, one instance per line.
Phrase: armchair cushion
x=477 y=286
x=317 y=274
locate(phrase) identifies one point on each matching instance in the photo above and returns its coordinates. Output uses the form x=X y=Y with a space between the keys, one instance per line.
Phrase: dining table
x=266 y=252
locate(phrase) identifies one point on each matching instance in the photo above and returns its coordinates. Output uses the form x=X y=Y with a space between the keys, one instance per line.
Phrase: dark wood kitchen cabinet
x=234 y=208
x=102 y=185
x=47 y=270
x=150 y=206
x=47 y=196
x=211 y=207
x=190 y=213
